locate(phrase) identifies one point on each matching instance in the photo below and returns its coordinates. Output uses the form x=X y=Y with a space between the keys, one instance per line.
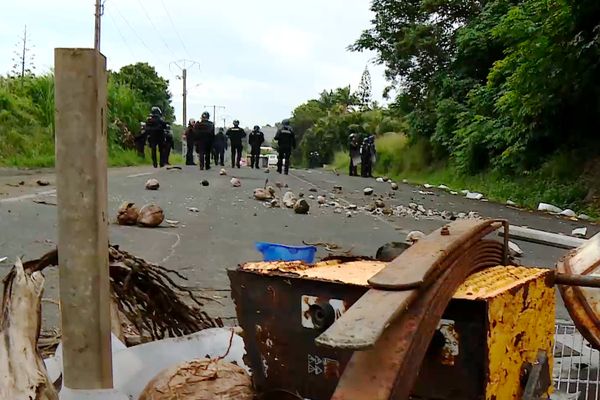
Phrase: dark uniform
x=190 y=141
x=355 y=159
x=156 y=129
x=367 y=155
x=204 y=134
x=255 y=140
x=219 y=147
x=235 y=135
x=140 y=140
x=169 y=145
x=286 y=142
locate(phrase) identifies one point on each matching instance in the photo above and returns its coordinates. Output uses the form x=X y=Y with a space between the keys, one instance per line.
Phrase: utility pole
x=98 y=23
x=215 y=111
x=183 y=66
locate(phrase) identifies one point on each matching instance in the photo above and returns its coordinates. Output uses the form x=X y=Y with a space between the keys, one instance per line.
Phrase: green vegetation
x=27 y=115
x=499 y=96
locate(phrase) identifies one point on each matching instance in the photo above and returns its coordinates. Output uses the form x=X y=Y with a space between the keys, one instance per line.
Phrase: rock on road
x=226 y=222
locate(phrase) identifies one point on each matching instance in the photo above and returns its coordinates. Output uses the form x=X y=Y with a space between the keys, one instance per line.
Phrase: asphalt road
x=229 y=221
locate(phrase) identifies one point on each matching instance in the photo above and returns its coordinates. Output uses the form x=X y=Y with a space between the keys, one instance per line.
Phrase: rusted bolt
x=445 y=231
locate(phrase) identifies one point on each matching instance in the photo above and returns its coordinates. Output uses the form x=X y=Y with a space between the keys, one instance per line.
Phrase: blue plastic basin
x=280 y=252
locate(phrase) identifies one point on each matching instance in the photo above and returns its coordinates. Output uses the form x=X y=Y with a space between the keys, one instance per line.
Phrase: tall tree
x=154 y=89
x=365 y=90
x=23 y=57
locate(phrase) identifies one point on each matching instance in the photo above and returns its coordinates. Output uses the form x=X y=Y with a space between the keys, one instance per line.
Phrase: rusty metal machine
x=448 y=319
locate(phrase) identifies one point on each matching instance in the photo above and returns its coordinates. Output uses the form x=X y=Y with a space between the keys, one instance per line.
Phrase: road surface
x=229 y=221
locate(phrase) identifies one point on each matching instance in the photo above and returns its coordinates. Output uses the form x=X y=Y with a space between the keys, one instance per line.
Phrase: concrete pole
x=97 y=25
x=81 y=182
x=184 y=76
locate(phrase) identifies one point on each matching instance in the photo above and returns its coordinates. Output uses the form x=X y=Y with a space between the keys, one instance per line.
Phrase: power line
x=175 y=28
x=121 y=35
x=155 y=29
x=132 y=29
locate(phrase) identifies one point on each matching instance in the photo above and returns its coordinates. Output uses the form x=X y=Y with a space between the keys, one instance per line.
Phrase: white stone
x=394 y=186
x=443 y=187
x=584 y=217
x=465 y=192
x=379 y=180
x=511 y=203
x=549 y=208
x=289 y=199
x=427 y=186
x=454 y=193
x=368 y=191
x=474 y=196
x=321 y=200
x=579 y=232
x=514 y=249
x=568 y=213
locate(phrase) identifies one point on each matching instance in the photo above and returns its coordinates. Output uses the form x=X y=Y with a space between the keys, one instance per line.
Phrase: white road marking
x=141 y=174
x=27 y=196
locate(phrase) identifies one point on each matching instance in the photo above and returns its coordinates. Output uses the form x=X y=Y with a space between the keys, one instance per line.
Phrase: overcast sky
x=259 y=59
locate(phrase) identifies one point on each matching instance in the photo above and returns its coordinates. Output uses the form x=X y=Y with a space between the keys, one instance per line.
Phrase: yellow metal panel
x=520 y=322
x=491 y=282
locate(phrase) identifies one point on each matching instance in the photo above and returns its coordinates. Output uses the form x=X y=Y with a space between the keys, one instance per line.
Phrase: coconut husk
x=151 y=215
x=200 y=380
x=152 y=184
x=127 y=214
x=262 y=194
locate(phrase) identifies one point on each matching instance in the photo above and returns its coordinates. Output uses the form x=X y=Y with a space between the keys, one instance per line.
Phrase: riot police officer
x=168 y=145
x=188 y=135
x=219 y=147
x=286 y=142
x=140 y=140
x=368 y=156
x=156 y=129
x=354 y=150
x=204 y=134
x=255 y=140
x=236 y=135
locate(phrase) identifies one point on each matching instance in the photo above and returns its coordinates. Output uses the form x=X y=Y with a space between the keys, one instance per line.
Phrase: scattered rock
x=311 y=197
x=380 y=180
x=349 y=214
x=235 y=182
x=321 y=199
x=172 y=222
x=267 y=170
x=152 y=184
x=338 y=188
x=205 y=182
x=193 y=209
x=568 y=213
x=223 y=172
x=421 y=209
x=289 y=199
x=514 y=250
x=443 y=187
x=390 y=251
x=465 y=192
x=43 y=183
x=413 y=206
x=461 y=215
x=580 y=232
x=301 y=207
x=414 y=237
x=448 y=215
x=511 y=203
x=549 y=208
x=127 y=214
x=404 y=180
x=334 y=204
x=425 y=193
x=474 y=196
x=352 y=207
x=386 y=179
x=274 y=203
x=473 y=215
x=394 y=186
x=314 y=190
x=368 y=191
x=453 y=193
x=262 y=194
x=151 y=215
x=332 y=196
x=271 y=190
x=387 y=211
x=584 y=217
x=370 y=207
x=427 y=186
x=337 y=211
x=300 y=195
x=379 y=203
x=286 y=186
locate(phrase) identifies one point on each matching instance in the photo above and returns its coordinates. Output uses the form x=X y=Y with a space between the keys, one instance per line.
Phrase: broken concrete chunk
x=274 y=203
x=338 y=188
x=235 y=182
x=579 y=232
x=368 y=191
x=474 y=196
x=152 y=184
x=289 y=199
x=387 y=211
x=312 y=190
x=262 y=194
x=151 y=215
x=549 y=208
x=223 y=172
x=370 y=207
x=584 y=217
x=414 y=236
x=41 y=182
x=301 y=207
x=421 y=209
x=511 y=203
x=349 y=214
x=465 y=192
x=127 y=214
x=514 y=250
x=321 y=200
x=310 y=196
x=386 y=179
x=568 y=213
x=380 y=180
x=193 y=209
x=394 y=186
x=453 y=193
x=427 y=186
x=443 y=187
x=379 y=203
x=352 y=207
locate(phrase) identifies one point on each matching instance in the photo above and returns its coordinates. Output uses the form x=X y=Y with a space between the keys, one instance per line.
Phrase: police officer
x=140 y=140
x=354 y=149
x=286 y=142
x=235 y=135
x=169 y=144
x=255 y=140
x=156 y=129
x=367 y=155
x=219 y=147
x=188 y=136
x=204 y=134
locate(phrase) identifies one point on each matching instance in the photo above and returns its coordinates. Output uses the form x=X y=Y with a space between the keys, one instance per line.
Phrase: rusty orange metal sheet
x=582 y=303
